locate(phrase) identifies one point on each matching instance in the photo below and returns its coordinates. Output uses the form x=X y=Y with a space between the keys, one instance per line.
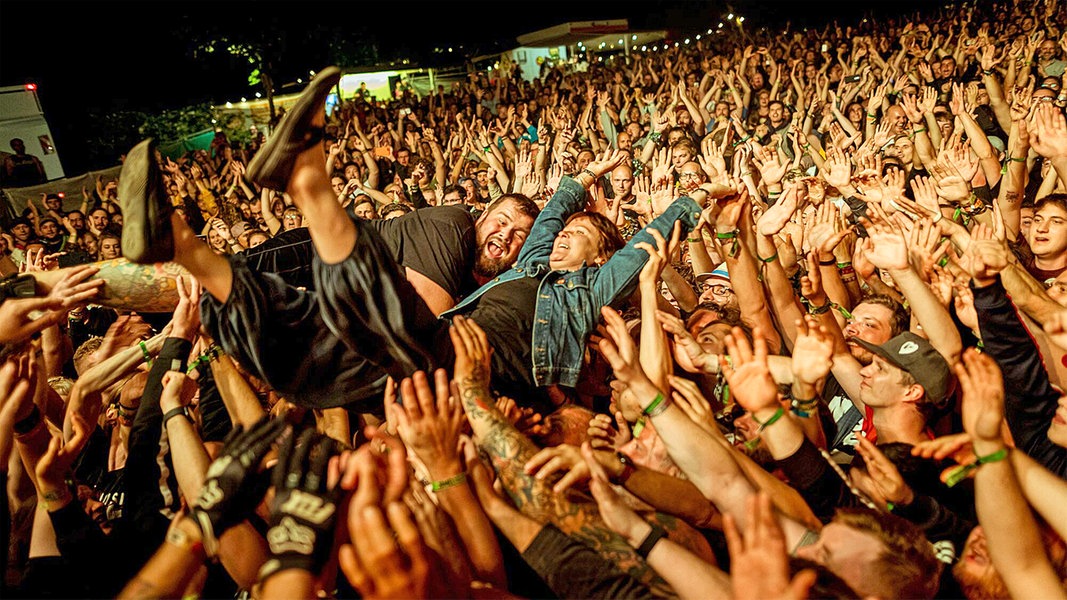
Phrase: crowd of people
x=778 y=317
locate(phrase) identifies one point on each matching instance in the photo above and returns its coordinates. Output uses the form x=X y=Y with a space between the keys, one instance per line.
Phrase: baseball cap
x=922 y=361
x=719 y=275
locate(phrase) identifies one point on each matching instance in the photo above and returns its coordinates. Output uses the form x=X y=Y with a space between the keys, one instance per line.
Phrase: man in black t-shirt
x=275 y=330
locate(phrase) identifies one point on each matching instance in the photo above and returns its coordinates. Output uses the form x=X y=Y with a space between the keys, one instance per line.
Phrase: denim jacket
x=568 y=302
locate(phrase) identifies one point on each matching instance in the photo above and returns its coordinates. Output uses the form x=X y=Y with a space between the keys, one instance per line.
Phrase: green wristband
x=453 y=481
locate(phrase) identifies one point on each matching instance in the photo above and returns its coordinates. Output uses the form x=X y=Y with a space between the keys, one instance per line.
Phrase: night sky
x=92 y=57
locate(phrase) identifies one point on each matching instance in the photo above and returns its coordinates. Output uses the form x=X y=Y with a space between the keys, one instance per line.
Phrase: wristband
x=764 y=262
x=453 y=481
x=771 y=421
x=827 y=263
x=658 y=405
x=818 y=310
x=730 y=235
x=752 y=443
x=182 y=411
x=144 y=351
x=654 y=536
x=589 y=173
x=804 y=408
x=958 y=474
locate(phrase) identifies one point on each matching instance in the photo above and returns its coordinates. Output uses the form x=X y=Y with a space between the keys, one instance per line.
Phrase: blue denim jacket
x=569 y=302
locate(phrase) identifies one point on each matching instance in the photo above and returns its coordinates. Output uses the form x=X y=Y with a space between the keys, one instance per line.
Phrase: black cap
x=922 y=361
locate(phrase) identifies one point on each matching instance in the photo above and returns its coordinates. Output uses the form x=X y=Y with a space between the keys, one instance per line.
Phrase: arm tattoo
x=509 y=450
x=144 y=288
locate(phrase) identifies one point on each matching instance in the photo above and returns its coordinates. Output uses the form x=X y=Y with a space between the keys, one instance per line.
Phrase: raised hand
x=186 y=320
x=889 y=248
x=304 y=508
x=883 y=481
x=747 y=371
x=687 y=396
x=759 y=563
x=232 y=486
x=1048 y=133
x=430 y=422
x=390 y=559
x=774 y=218
x=983 y=398
x=813 y=351
x=659 y=256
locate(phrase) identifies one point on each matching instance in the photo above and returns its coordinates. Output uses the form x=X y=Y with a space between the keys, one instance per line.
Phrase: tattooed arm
x=509 y=451
x=144 y=288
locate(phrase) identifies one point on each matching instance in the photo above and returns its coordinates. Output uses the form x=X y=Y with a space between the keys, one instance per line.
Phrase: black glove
x=303 y=512
x=231 y=489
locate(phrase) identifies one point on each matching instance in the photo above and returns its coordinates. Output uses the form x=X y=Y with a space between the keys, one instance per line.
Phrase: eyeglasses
x=688 y=175
x=718 y=289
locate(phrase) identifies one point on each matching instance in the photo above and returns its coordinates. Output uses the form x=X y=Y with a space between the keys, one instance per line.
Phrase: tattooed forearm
x=509 y=450
x=145 y=288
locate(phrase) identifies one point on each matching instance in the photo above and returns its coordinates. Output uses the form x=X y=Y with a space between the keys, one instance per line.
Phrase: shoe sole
x=273 y=163
x=146 y=232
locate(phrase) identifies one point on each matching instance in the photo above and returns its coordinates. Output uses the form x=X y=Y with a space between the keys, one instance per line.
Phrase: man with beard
x=274 y=328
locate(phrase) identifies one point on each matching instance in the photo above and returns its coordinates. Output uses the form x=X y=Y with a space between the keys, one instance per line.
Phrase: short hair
x=1058 y=200
x=687 y=143
x=85 y=351
x=459 y=189
x=522 y=202
x=62 y=385
x=610 y=238
x=908 y=567
x=393 y=207
x=900 y=320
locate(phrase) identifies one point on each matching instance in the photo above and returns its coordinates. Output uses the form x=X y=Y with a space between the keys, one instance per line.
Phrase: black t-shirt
x=437 y=242
x=506 y=313
x=288 y=255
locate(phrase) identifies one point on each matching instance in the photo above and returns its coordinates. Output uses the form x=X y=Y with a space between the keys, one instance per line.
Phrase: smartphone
x=382 y=152
x=852 y=78
x=824 y=47
x=405 y=111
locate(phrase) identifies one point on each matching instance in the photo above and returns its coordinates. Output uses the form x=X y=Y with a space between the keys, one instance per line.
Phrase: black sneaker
x=147 y=236
x=272 y=165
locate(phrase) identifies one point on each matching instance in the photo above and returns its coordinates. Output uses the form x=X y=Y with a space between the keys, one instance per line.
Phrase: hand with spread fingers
x=304 y=507
x=232 y=486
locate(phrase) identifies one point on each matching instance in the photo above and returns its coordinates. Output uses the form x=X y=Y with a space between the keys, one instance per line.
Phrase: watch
x=628 y=468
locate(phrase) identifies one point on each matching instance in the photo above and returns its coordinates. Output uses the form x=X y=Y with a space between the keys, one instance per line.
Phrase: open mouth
x=495 y=249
